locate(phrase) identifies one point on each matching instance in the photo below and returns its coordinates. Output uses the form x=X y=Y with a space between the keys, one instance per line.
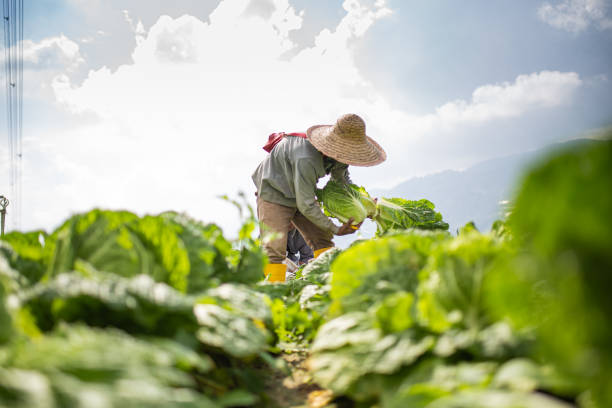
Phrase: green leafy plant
x=399 y=214
x=344 y=201
x=164 y=310
x=557 y=285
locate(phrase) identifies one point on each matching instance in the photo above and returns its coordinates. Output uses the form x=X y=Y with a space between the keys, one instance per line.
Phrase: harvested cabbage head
x=399 y=214
x=344 y=201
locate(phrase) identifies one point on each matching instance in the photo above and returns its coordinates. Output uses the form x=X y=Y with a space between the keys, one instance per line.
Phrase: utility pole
x=4 y=202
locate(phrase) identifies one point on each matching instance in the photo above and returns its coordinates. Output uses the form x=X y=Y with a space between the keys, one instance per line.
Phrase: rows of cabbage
x=116 y=310
x=164 y=311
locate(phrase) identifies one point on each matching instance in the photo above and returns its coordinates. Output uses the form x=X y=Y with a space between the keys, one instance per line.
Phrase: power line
x=13 y=13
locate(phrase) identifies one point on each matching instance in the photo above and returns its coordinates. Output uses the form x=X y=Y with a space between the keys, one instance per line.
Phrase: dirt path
x=297 y=389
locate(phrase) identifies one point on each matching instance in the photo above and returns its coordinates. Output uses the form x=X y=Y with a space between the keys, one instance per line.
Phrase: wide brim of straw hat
x=365 y=152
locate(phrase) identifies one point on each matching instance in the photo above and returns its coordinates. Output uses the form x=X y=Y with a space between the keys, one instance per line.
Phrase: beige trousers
x=276 y=218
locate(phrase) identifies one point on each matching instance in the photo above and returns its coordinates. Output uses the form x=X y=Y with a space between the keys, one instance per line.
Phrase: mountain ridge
x=479 y=193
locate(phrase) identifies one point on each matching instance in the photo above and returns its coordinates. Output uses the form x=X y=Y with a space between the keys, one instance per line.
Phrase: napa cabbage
x=344 y=201
x=399 y=214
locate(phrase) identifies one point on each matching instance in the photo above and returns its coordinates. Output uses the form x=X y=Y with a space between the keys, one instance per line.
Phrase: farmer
x=286 y=181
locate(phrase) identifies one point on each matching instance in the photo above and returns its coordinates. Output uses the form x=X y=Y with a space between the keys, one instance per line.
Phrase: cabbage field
x=117 y=310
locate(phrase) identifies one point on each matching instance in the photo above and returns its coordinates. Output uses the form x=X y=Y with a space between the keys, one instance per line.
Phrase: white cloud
x=528 y=92
x=137 y=27
x=55 y=53
x=185 y=121
x=576 y=15
x=43 y=61
x=403 y=135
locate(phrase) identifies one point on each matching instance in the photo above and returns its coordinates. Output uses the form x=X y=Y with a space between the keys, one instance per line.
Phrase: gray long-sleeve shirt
x=289 y=175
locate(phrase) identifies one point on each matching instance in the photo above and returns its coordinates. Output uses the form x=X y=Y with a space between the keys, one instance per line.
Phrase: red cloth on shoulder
x=275 y=138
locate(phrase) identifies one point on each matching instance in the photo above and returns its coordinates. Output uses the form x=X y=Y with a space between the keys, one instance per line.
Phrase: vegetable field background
x=116 y=310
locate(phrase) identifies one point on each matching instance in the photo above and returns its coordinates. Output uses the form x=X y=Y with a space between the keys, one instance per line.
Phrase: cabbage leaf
x=344 y=201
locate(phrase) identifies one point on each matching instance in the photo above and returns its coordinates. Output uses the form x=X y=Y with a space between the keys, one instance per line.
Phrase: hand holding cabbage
x=348 y=228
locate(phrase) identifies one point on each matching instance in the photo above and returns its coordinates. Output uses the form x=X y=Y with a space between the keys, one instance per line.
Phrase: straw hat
x=346 y=141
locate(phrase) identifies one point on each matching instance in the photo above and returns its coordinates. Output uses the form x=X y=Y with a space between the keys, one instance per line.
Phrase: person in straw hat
x=286 y=182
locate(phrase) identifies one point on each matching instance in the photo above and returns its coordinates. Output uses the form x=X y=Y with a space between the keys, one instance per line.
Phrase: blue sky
x=124 y=108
